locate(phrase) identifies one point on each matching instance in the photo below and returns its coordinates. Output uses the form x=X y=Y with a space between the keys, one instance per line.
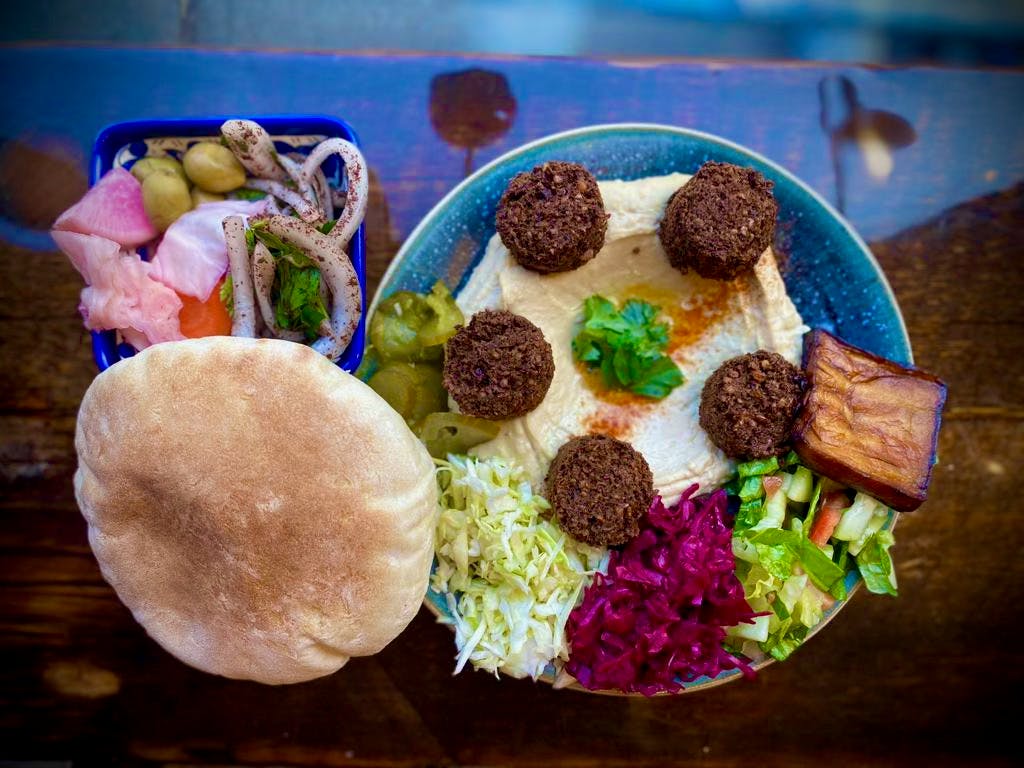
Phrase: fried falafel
x=552 y=219
x=599 y=488
x=499 y=366
x=719 y=222
x=749 y=403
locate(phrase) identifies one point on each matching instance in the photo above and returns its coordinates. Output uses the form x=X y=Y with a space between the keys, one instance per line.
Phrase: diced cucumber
x=787 y=479
x=774 y=512
x=874 y=526
x=801 y=486
x=792 y=589
x=809 y=606
x=780 y=608
x=758 y=631
x=856 y=518
x=744 y=550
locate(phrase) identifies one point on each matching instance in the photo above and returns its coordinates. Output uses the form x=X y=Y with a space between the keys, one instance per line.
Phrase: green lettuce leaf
x=757 y=467
x=752 y=488
x=875 y=564
x=825 y=574
x=786 y=576
x=777 y=559
x=782 y=642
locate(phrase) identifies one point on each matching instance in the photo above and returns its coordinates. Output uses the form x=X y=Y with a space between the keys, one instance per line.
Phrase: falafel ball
x=748 y=405
x=719 y=222
x=599 y=488
x=499 y=366
x=552 y=219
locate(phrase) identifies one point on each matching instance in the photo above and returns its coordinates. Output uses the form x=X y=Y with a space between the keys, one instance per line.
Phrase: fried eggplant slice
x=868 y=422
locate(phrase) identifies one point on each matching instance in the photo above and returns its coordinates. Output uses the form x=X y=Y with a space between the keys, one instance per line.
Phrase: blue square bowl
x=121 y=144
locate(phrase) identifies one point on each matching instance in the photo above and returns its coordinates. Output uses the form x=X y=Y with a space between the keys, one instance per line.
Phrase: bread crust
x=263 y=514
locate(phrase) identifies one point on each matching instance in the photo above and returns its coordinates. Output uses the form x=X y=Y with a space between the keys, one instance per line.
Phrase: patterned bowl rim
x=413 y=241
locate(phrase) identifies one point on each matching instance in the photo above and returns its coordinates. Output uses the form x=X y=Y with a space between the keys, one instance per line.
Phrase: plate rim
x=597 y=128
x=417 y=232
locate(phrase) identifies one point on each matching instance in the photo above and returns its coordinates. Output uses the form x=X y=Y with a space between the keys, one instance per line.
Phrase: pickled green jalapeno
x=445 y=433
x=412 y=326
x=412 y=389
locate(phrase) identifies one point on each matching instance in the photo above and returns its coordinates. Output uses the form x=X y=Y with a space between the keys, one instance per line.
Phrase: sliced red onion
x=308 y=211
x=254 y=148
x=323 y=194
x=244 y=321
x=357 y=194
x=272 y=206
x=305 y=187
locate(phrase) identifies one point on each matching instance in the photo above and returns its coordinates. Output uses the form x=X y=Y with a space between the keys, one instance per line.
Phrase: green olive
x=200 y=196
x=165 y=197
x=445 y=433
x=144 y=166
x=412 y=389
x=213 y=167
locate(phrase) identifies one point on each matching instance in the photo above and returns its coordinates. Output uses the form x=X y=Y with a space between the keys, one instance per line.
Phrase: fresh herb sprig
x=295 y=293
x=628 y=347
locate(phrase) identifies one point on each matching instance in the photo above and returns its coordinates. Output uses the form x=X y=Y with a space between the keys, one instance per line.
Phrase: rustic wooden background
x=927 y=164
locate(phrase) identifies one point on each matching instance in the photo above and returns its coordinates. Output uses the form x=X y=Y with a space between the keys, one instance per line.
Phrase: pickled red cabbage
x=657 y=619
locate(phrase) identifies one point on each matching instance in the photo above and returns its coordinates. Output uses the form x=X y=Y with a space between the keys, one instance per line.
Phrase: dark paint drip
x=40 y=177
x=471 y=109
x=845 y=120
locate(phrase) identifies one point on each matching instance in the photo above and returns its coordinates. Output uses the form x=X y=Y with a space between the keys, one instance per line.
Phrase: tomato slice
x=827 y=518
x=204 y=318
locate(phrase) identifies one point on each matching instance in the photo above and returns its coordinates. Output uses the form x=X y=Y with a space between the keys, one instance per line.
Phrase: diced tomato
x=827 y=517
x=204 y=318
x=772 y=484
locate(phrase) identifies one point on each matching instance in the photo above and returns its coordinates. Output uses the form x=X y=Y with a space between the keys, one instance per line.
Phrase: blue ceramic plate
x=829 y=272
x=121 y=144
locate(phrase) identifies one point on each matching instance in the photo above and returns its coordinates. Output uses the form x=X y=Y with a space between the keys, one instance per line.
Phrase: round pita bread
x=263 y=514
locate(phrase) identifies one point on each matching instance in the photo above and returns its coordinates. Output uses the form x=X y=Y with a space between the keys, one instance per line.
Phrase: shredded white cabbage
x=511 y=577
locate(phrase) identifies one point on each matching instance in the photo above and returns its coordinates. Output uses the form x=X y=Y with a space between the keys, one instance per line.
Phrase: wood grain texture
x=928 y=679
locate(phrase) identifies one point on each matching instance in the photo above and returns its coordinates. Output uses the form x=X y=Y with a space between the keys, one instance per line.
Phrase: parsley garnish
x=295 y=293
x=627 y=346
x=227 y=295
x=249 y=194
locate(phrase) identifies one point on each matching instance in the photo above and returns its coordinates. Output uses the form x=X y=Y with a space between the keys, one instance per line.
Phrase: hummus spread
x=709 y=322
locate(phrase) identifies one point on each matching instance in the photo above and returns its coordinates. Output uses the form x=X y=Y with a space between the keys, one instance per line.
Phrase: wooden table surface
x=927 y=164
